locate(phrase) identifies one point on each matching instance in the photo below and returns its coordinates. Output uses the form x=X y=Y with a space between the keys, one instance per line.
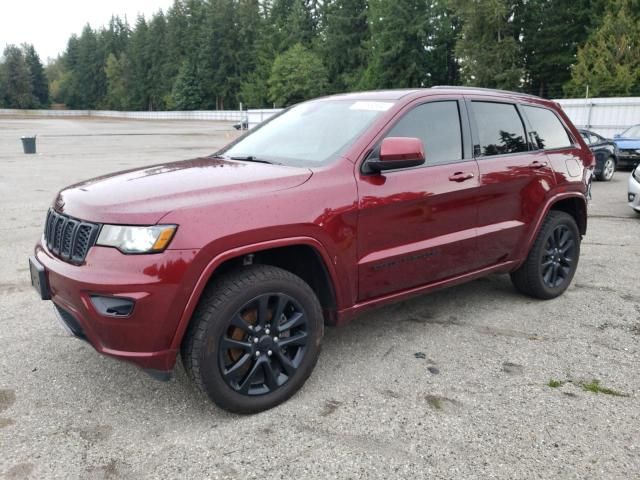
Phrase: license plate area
x=39 y=279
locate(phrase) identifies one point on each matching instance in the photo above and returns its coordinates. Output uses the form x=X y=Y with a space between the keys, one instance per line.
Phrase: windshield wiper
x=251 y=158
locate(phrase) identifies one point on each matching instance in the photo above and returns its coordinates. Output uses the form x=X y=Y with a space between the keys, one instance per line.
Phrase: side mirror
x=398 y=152
x=617 y=135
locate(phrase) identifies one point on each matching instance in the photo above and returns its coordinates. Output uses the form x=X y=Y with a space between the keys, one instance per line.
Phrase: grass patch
x=595 y=387
x=553 y=383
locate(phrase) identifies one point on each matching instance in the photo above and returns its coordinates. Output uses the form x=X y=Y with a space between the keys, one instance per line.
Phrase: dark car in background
x=628 y=143
x=606 y=153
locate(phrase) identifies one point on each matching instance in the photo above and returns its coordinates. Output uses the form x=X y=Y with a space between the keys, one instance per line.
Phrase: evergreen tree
x=90 y=80
x=443 y=27
x=187 y=92
x=115 y=37
x=69 y=88
x=254 y=89
x=397 y=46
x=609 y=62
x=39 y=82
x=139 y=85
x=552 y=30
x=345 y=33
x=177 y=28
x=218 y=56
x=15 y=80
x=116 y=71
x=489 y=49
x=298 y=74
x=160 y=83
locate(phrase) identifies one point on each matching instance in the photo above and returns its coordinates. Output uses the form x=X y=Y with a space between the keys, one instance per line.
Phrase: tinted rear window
x=500 y=128
x=437 y=124
x=547 y=128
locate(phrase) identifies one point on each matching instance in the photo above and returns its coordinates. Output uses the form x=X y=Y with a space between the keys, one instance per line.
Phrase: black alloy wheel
x=254 y=339
x=558 y=257
x=552 y=260
x=264 y=345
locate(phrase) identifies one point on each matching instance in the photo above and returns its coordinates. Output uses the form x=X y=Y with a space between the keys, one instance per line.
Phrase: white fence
x=219 y=115
x=606 y=116
x=251 y=117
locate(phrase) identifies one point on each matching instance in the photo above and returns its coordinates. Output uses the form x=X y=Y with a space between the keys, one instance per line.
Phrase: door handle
x=537 y=164
x=460 y=176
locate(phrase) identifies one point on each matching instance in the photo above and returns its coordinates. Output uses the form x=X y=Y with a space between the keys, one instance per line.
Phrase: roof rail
x=480 y=89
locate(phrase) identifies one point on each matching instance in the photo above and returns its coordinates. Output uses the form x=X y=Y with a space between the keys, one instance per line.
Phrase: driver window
x=437 y=124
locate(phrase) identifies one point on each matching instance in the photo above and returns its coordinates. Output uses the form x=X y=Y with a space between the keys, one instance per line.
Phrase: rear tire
x=608 y=169
x=254 y=339
x=552 y=261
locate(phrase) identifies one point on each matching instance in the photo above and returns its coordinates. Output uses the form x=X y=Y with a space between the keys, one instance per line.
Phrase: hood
x=627 y=143
x=144 y=196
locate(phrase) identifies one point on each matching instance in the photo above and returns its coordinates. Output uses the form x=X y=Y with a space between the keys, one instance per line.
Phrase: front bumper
x=627 y=160
x=156 y=283
x=633 y=195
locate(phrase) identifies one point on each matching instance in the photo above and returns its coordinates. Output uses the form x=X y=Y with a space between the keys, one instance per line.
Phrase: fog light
x=113 y=306
x=631 y=197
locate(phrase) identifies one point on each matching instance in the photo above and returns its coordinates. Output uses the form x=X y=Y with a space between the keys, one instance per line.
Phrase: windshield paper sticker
x=371 y=106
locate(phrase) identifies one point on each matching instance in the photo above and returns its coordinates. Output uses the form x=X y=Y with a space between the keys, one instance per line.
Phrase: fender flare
x=219 y=259
x=548 y=206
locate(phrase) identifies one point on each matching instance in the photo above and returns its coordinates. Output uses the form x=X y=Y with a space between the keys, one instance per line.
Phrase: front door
x=417 y=225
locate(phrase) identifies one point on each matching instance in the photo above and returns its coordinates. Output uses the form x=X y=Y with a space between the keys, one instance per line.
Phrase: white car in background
x=634 y=189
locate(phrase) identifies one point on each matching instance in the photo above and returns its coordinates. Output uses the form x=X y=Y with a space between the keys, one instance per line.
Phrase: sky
x=48 y=24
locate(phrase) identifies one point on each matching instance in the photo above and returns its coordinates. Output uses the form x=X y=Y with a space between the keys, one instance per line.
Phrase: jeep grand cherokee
x=236 y=261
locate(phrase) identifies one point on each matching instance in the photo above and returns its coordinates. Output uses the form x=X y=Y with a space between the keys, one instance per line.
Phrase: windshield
x=632 y=132
x=309 y=134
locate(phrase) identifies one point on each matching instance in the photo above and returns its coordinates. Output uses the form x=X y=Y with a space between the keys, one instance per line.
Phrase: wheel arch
x=302 y=256
x=576 y=206
x=572 y=203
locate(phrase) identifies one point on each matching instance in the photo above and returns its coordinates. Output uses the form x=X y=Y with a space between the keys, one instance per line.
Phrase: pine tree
x=91 y=82
x=39 y=82
x=552 y=30
x=159 y=82
x=218 y=59
x=489 y=49
x=346 y=33
x=17 y=89
x=397 y=46
x=116 y=71
x=115 y=37
x=609 y=63
x=187 y=93
x=139 y=80
x=443 y=27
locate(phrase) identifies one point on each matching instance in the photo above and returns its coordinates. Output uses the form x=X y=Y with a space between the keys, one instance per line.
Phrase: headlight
x=636 y=173
x=136 y=239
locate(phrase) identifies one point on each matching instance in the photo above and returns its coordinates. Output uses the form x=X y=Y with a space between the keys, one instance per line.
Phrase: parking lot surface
x=475 y=381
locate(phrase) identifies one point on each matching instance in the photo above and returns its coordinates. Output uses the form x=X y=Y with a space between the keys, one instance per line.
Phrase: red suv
x=337 y=205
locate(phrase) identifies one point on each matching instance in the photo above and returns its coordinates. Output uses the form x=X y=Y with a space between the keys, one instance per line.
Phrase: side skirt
x=348 y=314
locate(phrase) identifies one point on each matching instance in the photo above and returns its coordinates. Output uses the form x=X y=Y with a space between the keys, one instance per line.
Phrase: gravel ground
x=450 y=385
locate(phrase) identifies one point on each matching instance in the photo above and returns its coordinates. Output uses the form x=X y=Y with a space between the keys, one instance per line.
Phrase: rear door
x=417 y=225
x=515 y=177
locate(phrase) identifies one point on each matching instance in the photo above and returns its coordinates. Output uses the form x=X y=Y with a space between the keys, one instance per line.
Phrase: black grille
x=69 y=238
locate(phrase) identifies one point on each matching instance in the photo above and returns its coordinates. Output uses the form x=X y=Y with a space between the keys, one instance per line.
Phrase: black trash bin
x=29 y=144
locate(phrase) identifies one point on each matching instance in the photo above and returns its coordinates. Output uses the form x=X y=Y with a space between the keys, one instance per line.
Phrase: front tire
x=254 y=339
x=608 y=169
x=552 y=261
